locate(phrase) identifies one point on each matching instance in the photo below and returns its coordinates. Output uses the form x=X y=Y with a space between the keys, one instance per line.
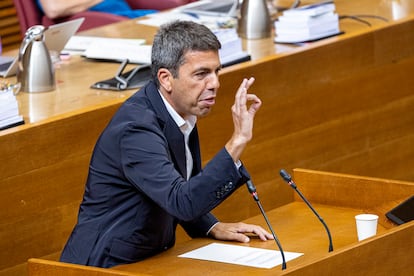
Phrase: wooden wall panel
x=43 y=184
x=9 y=26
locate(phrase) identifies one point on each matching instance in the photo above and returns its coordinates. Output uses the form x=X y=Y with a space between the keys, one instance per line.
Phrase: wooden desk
x=389 y=252
x=342 y=104
x=337 y=198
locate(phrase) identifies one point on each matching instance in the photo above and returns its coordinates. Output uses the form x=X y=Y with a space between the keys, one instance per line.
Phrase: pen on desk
x=192 y=14
x=64 y=56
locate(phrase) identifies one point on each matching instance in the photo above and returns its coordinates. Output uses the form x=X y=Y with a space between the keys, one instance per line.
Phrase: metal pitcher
x=254 y=20
x=35 y=71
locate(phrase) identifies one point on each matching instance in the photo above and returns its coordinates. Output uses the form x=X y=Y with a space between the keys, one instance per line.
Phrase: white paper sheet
x=82 y=43
x=240 y=255
x=140 y=54
x=157 y=19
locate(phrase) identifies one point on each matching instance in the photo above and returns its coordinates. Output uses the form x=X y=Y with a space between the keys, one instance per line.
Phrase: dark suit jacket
x=136 y=193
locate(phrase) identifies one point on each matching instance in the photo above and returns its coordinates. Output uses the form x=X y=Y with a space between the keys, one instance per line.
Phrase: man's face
x=193 y=92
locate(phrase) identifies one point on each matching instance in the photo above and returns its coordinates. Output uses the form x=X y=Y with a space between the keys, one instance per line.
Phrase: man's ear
x=165 y=79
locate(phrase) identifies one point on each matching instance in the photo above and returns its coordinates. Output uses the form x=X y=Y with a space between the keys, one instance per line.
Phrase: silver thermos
x=35 y=71
x=254 y=19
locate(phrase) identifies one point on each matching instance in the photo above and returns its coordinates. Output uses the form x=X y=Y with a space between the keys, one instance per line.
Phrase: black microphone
x=252 y=191
x=292 y=184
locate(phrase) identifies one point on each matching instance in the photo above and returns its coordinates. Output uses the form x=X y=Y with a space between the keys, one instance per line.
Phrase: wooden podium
x=337 y=198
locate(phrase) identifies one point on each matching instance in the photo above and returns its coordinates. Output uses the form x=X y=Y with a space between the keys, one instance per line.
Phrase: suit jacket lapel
x=172 y=132
x=176 y=144
x=194 y=145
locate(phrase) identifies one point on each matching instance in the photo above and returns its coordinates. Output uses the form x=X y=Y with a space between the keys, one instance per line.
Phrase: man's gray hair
x=173 y=40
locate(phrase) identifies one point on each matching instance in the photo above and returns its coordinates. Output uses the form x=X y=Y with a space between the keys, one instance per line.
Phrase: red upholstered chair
x=29 y=14
x=157 y=4
x=92 y=19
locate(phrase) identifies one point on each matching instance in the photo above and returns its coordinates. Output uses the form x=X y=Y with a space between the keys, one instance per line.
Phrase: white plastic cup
x=366 y=225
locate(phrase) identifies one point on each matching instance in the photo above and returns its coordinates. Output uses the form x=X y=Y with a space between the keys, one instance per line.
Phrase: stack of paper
x=9 y=109
x=140 y=54
x=307 y=23
x=114 y=49
x=231 y=51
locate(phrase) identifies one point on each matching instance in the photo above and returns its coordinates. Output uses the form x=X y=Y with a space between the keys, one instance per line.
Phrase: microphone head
x=284 y=174
x=251 y=187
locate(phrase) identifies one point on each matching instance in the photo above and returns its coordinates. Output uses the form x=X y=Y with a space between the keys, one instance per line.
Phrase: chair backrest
x=92 y=19
x=157 y=4
x=28 y=14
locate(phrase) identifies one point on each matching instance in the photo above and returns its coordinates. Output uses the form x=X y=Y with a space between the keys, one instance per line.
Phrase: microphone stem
x=273 y=233
x=319 y=217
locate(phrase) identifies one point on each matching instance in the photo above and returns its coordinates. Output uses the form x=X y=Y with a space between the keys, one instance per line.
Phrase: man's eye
x=201 y=74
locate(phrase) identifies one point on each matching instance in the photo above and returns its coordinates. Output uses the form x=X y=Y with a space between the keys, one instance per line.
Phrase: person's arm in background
x=59 y=8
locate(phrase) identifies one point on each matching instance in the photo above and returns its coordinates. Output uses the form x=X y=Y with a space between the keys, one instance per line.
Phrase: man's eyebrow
x=203 y=69
x=218 y=68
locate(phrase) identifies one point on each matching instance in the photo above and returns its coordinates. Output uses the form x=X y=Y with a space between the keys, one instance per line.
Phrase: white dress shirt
x=186 y=126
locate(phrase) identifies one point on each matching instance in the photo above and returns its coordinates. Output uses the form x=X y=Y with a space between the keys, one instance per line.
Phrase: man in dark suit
x=145 y=174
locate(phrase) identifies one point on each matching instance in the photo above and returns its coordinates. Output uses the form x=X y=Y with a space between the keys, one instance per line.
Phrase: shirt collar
x=180 y=121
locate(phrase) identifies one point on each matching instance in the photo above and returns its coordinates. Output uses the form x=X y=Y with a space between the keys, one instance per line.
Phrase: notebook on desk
x=211 y=7
x=56 y=36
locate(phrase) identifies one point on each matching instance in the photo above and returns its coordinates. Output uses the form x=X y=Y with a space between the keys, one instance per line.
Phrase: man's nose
x=213 y=81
